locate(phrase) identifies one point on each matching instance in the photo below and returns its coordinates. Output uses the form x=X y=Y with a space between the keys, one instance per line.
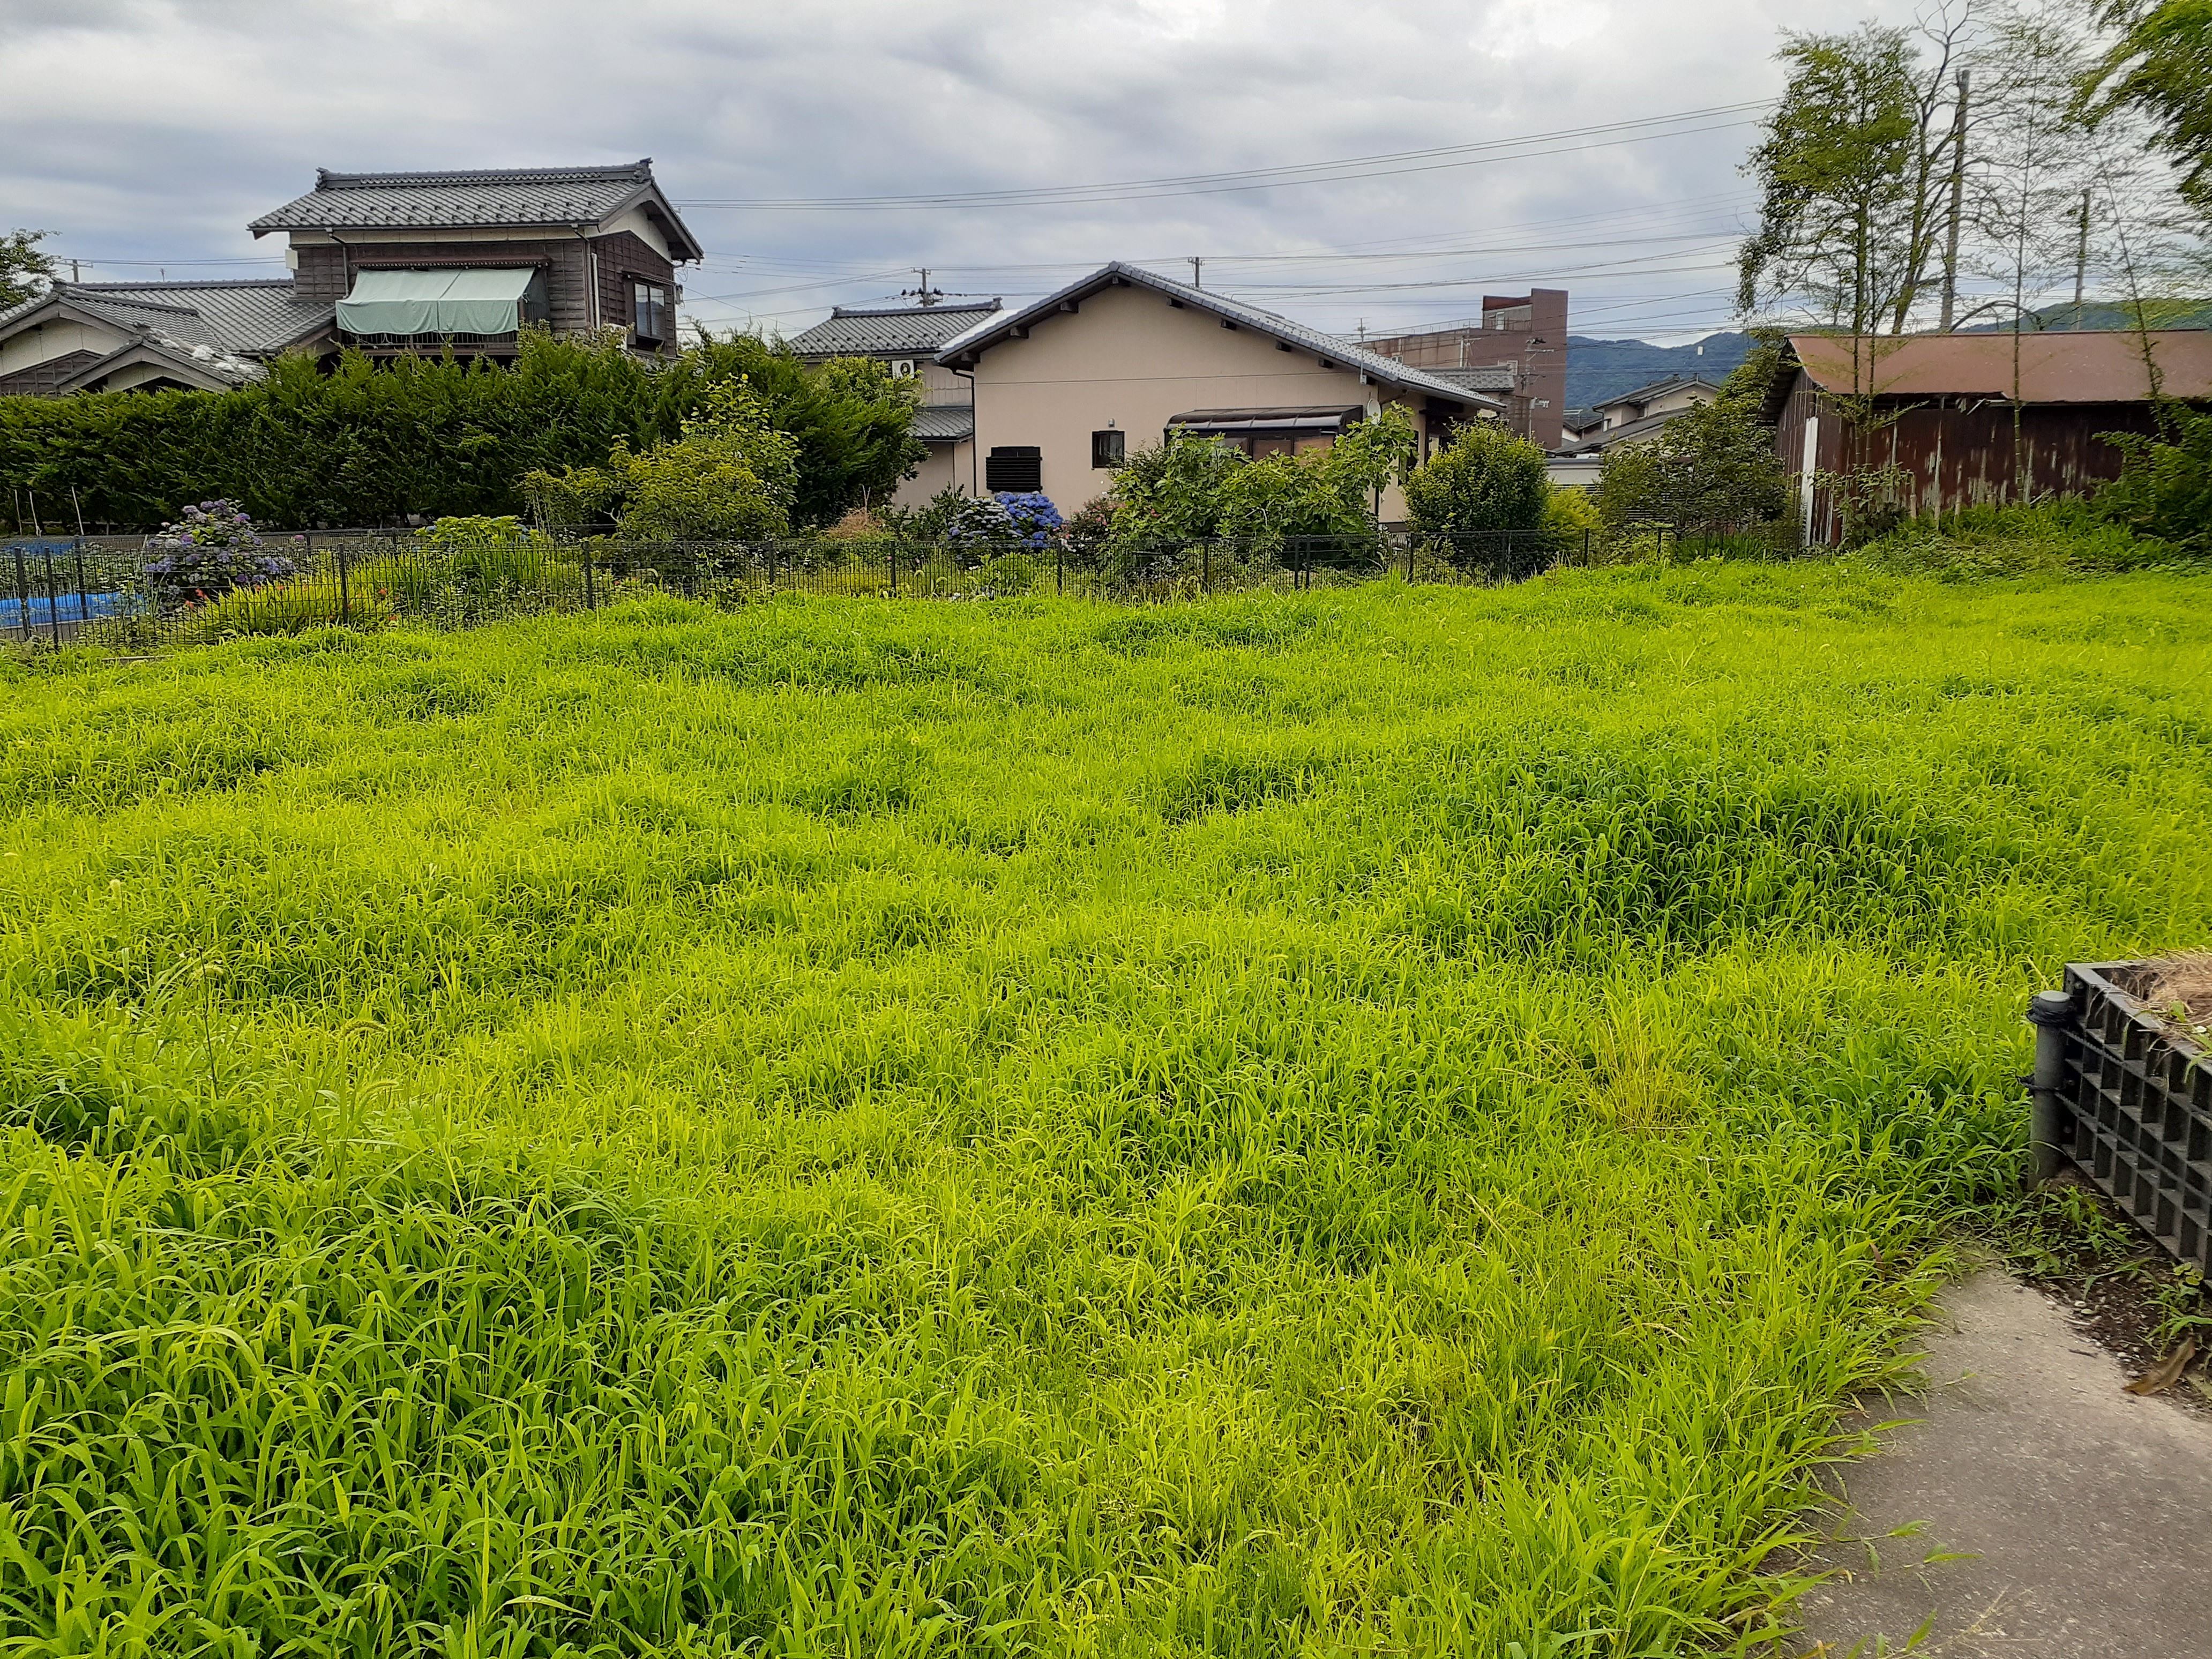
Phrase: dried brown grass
x=2180 y=987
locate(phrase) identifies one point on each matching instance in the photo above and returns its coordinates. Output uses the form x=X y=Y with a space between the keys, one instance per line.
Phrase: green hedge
x=368 y=443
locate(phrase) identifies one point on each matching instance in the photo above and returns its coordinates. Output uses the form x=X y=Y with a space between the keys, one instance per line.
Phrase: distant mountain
x=2095 y=314
x=1605 y=368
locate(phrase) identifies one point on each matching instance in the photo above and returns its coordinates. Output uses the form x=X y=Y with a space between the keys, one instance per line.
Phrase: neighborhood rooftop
x=1387 y=371
x=860 y=331
x=2088 y=367
x=501 y=198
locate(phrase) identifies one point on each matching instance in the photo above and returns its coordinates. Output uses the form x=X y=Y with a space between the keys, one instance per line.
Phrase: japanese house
x=1066 y=387
x=387 y=263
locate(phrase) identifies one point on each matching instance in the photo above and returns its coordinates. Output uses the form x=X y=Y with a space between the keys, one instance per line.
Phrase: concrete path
x=2086 y=1511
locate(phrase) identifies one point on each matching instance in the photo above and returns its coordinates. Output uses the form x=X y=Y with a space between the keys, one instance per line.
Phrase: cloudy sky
x=147 y=132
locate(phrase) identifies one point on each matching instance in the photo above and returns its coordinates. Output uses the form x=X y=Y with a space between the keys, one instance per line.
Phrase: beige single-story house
x=1064 y=388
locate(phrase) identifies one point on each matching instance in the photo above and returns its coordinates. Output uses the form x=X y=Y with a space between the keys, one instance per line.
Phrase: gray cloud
x=153 y=130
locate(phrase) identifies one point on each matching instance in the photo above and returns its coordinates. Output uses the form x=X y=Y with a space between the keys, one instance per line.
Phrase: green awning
x=433 y=302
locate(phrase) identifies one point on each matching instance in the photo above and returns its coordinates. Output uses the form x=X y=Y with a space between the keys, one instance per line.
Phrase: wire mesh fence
x=104 y=591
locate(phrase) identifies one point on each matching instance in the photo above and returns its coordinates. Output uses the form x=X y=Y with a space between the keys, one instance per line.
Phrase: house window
x=1018 y=468
x=1108 y=448
x=649 y=313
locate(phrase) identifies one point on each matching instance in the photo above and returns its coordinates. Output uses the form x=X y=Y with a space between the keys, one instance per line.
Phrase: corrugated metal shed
x=2037 y=368
x=1943 y=414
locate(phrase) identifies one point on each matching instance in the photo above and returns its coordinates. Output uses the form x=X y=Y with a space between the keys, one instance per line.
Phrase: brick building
x=1516 y=351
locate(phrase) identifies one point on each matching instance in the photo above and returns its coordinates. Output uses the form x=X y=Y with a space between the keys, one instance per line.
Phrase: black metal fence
x=100 y=591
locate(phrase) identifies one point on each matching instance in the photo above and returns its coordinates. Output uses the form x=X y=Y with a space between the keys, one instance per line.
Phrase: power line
x=1309 y=173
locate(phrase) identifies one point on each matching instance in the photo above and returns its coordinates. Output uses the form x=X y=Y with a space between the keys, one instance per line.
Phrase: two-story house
x=386 y=263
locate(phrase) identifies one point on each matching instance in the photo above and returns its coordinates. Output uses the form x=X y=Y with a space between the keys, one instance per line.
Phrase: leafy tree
x=1325 y=492
x=1842 y=166
x=854 y=422
x=1485 y=482
x=730 y=476
x=1712 y=468
x=2160 y=68
x=25 y=273
x=1171 y=490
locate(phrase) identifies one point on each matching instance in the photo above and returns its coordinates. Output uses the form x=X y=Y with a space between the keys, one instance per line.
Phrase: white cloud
x=155 y=128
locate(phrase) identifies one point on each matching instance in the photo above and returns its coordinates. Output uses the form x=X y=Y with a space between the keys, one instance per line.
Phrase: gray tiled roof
x=945 y=423
x=1494 y=379
x=861 y=332
x=1388 y=370
x=1644 y=394
x=474 y=200
x=1593 y=443
x=257 y=316
x=223 y=328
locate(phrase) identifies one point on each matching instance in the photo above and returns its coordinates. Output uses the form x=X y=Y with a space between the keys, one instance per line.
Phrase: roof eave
x=967 y=348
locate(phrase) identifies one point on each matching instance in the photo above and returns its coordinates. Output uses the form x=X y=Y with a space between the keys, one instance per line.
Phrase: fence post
x=590 y=599
x=23 y=596
x=892 y=555
x=2051 y=1013
x=1409 y=561
x=345 y=593
x=1205 y=567
x=83 y=597
x=53 y=602
x=1059 y=570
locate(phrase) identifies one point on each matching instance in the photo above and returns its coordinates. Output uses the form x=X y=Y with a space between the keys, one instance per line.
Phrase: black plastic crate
x=2129 y=1104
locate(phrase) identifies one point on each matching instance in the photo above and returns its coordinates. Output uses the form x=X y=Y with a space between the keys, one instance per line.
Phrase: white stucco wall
x=1129 y=359
x=934 y=474
x=56 y=339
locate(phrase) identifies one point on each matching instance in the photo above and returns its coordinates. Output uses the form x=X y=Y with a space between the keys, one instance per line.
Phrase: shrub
x=290 y=607
x=926 y=523
x=1982 y=541
x=369 y=442
x=1710 y=469
x=730 y=476
x=982 y=522
x=210 y=549
x=1088 y=530
x=2165 y=487
x=1572 y=523
x=1035 y=520
x=1485 y=482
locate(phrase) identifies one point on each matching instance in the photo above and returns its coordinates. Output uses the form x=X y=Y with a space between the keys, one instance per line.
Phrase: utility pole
x=2081 y=261
x=74 y=277
x=1197 y=270
x=926 y=295
x=1958 y=202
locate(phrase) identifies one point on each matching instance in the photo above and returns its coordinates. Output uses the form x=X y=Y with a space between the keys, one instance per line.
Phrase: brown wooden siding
x=625 y=258
x=1960 y=452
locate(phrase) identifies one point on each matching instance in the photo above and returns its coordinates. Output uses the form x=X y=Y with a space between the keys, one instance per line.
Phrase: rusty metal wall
x=1960 y=452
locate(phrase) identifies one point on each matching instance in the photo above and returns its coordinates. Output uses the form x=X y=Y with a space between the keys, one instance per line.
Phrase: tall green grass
x=1374 y=1121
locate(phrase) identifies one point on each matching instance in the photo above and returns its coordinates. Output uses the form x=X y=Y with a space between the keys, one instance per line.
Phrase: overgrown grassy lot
x=1381 y=1121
